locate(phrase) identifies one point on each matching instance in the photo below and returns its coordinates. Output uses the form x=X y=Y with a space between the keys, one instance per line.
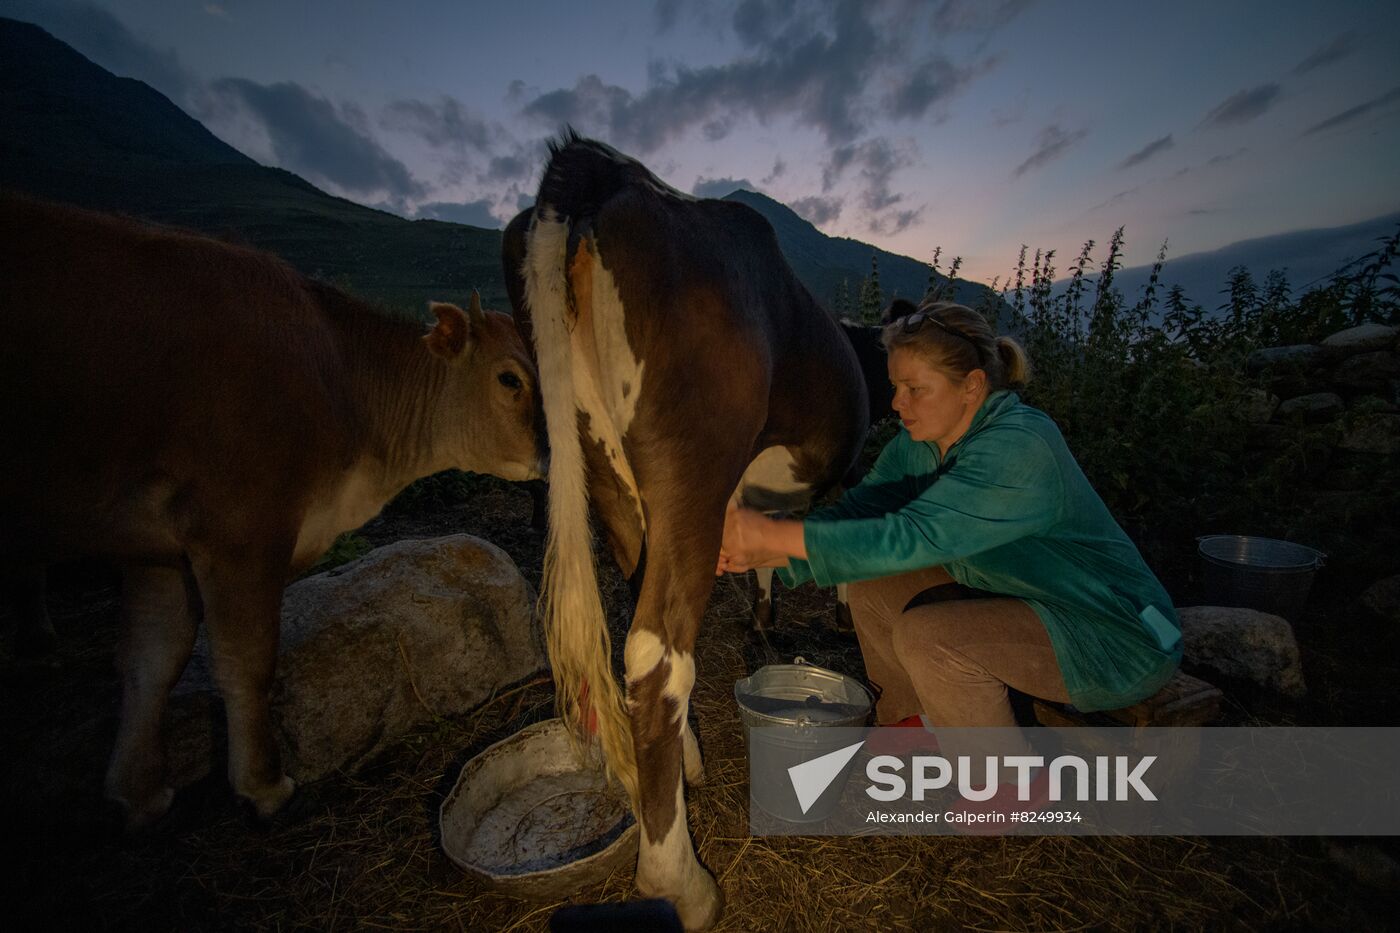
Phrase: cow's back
x=707 y=279
x=145 y=374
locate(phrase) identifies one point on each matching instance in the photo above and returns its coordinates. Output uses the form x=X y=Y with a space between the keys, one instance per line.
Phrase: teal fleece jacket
x=1009 y=511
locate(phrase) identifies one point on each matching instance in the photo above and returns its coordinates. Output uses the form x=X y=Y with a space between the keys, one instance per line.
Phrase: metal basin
x=528 y=819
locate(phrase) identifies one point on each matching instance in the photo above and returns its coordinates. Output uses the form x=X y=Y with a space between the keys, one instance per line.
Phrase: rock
x=1243 y=644
x=1351 y=470
x=372 y=648
x=1368 y=372
x=1298 y=356
x=1373 y=405
x=1372 y=433
x=1258 y=407
x=1269 y=437
x=1383 y=598
x=1313 y=409
x=1363 y=338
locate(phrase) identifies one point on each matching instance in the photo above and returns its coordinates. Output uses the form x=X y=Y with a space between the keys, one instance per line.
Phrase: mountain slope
x=75 y=132
x=1308 y=257
x=823 y=262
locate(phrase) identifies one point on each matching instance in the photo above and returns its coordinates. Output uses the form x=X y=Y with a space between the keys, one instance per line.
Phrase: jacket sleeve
x=883 y=490
x=1003 y=487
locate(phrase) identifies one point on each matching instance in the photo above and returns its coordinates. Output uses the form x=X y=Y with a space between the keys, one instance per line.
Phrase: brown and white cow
x=211 y=420
x=681 y=362
x=870 y=353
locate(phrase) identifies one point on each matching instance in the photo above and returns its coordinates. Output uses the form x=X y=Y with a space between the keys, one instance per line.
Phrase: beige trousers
x=952 y=655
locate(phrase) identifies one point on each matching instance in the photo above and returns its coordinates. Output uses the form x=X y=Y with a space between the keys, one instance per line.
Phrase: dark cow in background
x=870 y=353
x=211 y=420
x=679 y=361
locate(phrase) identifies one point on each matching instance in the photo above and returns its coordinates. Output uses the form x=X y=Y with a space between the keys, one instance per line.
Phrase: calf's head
x=493 y=396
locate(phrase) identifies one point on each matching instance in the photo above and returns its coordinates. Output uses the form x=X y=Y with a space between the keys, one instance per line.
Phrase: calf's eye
x=510 y=380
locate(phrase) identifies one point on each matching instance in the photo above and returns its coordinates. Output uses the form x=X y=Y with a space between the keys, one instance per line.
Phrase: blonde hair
x=956 y=339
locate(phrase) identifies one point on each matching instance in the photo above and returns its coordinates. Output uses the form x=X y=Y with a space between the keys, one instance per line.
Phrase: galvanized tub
x=807 y=701
x=526 y=818
x=1258 y=573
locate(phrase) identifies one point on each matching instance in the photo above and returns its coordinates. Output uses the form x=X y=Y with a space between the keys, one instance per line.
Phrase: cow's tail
x=580 y=649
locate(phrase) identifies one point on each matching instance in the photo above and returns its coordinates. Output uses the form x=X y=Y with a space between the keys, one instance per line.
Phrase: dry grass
x=368 y=857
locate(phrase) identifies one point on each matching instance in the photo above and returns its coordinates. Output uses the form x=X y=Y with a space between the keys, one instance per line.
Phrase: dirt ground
x=367 y=855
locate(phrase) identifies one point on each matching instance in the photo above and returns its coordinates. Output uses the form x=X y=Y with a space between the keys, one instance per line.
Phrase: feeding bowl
x=527 y=818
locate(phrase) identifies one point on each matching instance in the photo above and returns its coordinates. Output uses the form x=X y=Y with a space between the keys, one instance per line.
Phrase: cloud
x=308 y=136
x=1243 y=106
x=213 y=9
x=937 y=79
x=475 y=213
x=1227 y=157
x=814 y=68
x=719 y=187
x=878 y=159
x=1148 y=151
x=445 y=124
x=509 y=167
x=1054 y=142
x=1202 y=211
x=898 y=222
x=1115 y=199
x=1334 y=51
x=103 y=38
x=817 y=209
x=954 y=16
x=779 y=167
x=1346 y=116
x=666 y=14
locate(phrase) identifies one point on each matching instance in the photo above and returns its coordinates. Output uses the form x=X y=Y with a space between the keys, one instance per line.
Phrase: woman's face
x=932 y=405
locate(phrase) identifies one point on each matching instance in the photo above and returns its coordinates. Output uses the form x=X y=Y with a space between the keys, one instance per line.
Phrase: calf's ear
x=451 y=336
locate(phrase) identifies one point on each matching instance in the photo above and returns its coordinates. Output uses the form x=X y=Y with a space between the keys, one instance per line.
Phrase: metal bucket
x=807 y=700
x=1258 y=573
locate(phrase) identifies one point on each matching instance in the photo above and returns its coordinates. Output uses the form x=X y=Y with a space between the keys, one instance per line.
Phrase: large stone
x=1383 y=598
x=1363 y=338
x=1243 y=644
x=1368 y=372
x=371 y=649
x=1297 y=357
x=1312 y=409
x=1372 y=433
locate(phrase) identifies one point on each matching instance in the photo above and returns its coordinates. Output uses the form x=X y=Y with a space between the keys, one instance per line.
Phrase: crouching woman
x=981 y=558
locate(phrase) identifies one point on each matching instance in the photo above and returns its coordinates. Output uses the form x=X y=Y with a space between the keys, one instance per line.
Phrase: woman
x=978 y=489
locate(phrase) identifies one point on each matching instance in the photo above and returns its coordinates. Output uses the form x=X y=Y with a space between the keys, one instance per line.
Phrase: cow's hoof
x=293 y=810
x=844 y=622
x=142 y=818
x=700 y=908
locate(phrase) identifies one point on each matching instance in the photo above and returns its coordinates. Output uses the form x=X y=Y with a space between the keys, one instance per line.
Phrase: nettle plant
x=1152 y=392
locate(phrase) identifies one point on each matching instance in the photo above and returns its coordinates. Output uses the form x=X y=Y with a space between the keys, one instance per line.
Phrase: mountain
x=1309 y=257
x=823 y=262
x=75 y=132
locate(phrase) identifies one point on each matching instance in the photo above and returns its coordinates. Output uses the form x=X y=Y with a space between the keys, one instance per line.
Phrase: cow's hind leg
x=764 y=608
x=159 y=622
x=660 y=664
x=242 y=612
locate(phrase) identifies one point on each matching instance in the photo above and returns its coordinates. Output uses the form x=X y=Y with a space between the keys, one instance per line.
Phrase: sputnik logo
x=811 y=778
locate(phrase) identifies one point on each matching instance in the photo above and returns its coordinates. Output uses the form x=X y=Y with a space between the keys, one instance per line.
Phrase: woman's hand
x=745 y=543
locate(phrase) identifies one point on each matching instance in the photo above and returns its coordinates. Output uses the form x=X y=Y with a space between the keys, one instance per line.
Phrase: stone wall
x=1335 y=407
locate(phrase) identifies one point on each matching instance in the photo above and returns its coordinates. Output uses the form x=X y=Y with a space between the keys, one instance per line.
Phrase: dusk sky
x=975 y=126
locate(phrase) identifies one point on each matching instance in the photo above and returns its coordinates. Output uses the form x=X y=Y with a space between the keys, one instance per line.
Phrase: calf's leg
x=159 y=618
x=242 y=611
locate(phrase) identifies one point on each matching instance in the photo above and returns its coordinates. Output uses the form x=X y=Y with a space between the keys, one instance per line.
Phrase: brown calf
x=211 y=420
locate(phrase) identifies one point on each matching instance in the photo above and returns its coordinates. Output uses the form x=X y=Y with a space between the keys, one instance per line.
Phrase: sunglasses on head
x=912 y=322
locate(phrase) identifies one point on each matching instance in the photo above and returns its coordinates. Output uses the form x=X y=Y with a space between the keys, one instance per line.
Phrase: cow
x=210 y=420
x=870 y=352
x=679 y=360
